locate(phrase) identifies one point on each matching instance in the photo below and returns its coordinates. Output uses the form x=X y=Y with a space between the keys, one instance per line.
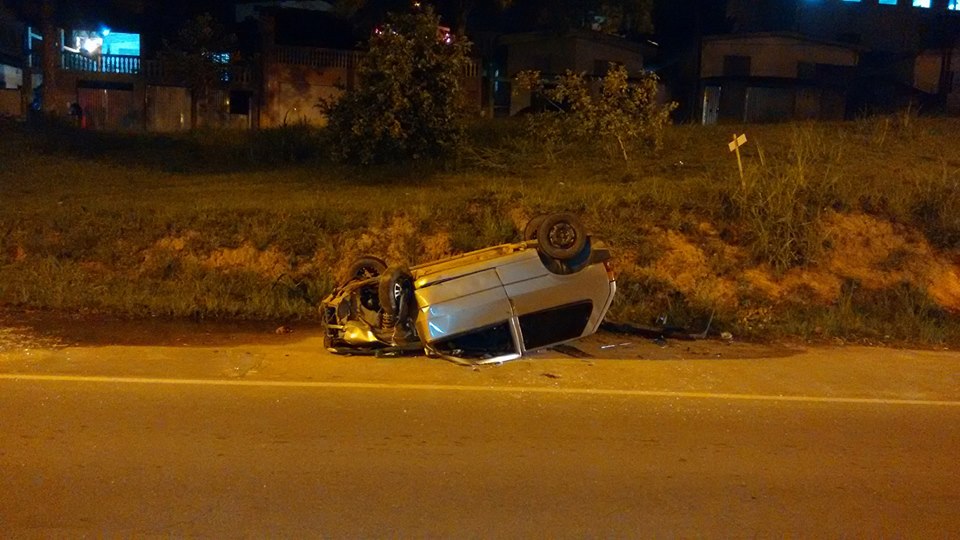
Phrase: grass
x=258 y=225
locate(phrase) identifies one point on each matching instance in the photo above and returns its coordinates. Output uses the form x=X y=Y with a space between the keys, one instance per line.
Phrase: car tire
x=532 y=228
x=395 y=282
x=561 y=236
x=366 y=267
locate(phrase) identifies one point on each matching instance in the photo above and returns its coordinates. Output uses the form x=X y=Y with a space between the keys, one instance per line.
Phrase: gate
x=112 y=109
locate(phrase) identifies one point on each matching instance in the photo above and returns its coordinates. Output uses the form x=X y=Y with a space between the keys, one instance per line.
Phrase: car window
x=554 y=325
x=488 y=342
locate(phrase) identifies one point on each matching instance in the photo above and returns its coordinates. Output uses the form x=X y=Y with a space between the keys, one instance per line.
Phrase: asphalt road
x=250 y=438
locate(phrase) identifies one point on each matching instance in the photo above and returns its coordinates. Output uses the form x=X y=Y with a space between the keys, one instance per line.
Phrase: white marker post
x=735 y=145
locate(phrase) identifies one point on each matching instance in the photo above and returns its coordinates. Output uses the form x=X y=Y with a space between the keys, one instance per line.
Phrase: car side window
x=487 y=342
x=554 y=325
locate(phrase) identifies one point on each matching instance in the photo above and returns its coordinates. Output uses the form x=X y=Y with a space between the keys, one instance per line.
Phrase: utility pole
x=50 y=57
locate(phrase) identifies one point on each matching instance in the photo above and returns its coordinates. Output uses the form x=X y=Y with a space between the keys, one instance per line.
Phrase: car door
x=470 y=315
x=552 y=308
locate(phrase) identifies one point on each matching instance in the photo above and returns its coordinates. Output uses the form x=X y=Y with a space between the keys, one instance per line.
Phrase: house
x=311 y=56
x=13 y=97
x=763 y=77
x=877 y=25
x=101 y=73
x=905 y=46
x=296 y=55
x=307 y=56
x=553 y=53
x=937 y=72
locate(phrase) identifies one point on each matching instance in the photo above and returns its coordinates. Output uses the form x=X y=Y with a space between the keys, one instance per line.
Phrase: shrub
x=623 y=112
x=408 y=103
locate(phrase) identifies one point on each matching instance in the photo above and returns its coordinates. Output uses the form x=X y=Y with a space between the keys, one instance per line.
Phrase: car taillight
x=611 y=273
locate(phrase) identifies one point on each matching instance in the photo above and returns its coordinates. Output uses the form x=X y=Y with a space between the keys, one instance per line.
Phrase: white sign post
x=735 y=145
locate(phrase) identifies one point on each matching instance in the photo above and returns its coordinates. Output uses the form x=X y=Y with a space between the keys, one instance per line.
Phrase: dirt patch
x=398 y=240
x=875 y=253
x=177 y=243
x=879 y=254
x=698 y=271
x=269 y=263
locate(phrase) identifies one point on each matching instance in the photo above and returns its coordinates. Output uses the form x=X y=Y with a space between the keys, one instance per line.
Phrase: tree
x=408 y=103
x=618 y=111
x=198 y=56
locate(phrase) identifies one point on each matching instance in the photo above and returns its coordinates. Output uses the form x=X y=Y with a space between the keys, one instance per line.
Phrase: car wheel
x=530 y=231
x=561 y=236
x=395 y=287
x=366 y=267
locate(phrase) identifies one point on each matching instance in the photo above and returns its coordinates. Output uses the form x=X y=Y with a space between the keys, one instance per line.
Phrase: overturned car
x=486 y=306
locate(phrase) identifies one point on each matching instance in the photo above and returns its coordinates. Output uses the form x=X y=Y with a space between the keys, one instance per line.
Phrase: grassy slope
x=194 y=227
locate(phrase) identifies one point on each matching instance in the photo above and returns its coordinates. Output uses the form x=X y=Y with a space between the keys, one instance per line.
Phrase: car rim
x=397 y=291
x=562 y=235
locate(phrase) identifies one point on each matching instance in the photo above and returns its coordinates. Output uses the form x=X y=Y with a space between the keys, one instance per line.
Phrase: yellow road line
x=471 y=388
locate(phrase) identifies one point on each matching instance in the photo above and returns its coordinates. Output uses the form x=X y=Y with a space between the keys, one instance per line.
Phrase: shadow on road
x=36 y=329
x=52 y=330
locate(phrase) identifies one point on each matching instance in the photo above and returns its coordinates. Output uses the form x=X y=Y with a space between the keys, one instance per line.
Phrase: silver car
x=485 y=306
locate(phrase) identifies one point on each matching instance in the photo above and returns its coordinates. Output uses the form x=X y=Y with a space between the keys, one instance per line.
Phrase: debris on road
x=612 y=345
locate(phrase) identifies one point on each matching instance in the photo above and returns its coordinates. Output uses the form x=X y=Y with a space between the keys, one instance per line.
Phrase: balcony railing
x=160 y=70
x=151 y=70
x=105 y=63
x=317 y=58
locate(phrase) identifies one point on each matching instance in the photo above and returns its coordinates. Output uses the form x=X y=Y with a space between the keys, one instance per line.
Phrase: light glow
x=92 y=45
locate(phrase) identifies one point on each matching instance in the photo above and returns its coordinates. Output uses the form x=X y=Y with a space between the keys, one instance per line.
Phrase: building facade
x=767 y=77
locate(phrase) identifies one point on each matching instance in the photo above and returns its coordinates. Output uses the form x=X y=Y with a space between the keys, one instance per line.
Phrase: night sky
x=674 y=20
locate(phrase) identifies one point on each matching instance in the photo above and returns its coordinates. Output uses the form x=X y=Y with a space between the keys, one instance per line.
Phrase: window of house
x=954 y=5
x=888 y=2
x=851 y=0
x=921 y=3
x=736 y=66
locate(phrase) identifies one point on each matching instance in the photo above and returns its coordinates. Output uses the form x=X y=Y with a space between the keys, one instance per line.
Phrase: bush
x=408 y=104
x=621 y=111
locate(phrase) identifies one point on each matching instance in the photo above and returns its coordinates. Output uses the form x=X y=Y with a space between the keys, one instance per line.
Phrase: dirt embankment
x=873 y=254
